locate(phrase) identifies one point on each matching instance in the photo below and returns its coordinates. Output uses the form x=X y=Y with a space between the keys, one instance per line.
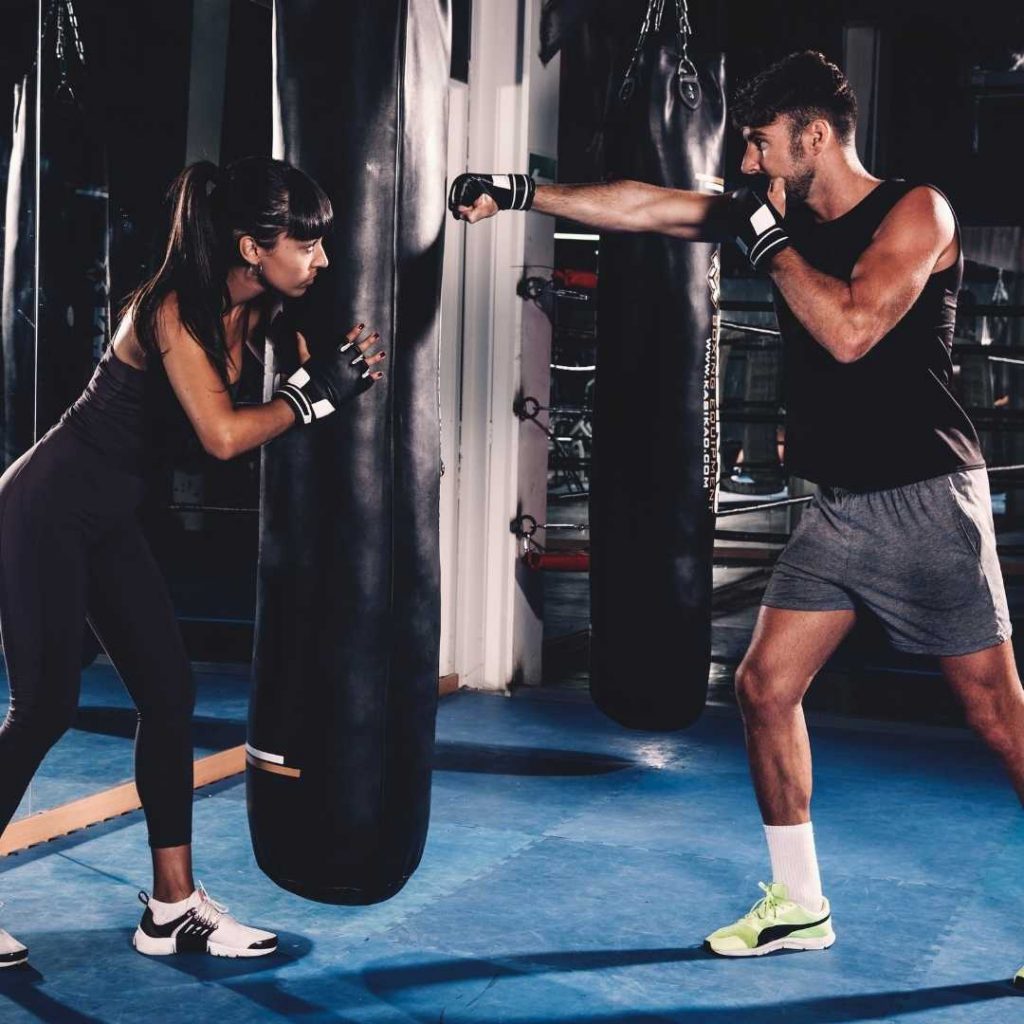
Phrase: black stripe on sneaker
x=189 y=934
x=192 y=936
x=14 y=958
x=161 y=931
x=780 y=931
x=265 y=944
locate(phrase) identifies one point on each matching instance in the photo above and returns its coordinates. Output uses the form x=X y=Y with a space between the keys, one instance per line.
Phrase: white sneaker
x=12 y=952
x=205 y=926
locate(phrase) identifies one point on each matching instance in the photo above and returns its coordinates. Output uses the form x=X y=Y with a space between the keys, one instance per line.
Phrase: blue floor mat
x=571 y=872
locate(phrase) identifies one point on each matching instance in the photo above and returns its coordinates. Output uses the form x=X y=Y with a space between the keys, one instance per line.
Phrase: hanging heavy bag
x=18 y=317
x=654 y=473
x=73 y=228
x=345 y=666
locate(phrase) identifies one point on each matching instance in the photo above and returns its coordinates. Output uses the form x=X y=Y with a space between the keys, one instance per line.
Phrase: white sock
x=164 y=912
x=794 y=862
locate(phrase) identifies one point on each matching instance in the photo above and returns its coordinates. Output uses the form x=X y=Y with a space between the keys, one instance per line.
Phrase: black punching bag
x=53 y=338
x=18 y=317
x=655 y=450
x=341 y=724
x=73 y=229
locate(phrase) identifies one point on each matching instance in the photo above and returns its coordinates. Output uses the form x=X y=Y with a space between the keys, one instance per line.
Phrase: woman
x=71 y=546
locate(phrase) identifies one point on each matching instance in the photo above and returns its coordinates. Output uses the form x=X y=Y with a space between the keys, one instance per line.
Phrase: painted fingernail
x=361 y=326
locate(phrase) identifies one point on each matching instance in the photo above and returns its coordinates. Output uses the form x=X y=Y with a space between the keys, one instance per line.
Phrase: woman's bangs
x=310 y=214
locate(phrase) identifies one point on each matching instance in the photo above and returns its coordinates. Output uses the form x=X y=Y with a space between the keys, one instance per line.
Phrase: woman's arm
x=223 y=430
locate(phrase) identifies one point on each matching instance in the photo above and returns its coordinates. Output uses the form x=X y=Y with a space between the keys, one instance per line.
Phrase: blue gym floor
x=571 y=873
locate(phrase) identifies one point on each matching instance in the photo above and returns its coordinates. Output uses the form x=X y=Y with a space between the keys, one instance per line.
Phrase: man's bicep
x=893 y=270
x=886 y=282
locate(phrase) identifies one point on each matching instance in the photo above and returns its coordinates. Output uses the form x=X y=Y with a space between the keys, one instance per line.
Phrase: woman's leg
x=42 y=618
x=130 y=610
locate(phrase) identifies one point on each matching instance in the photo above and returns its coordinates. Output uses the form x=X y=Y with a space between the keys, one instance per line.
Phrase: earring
x=257 y=270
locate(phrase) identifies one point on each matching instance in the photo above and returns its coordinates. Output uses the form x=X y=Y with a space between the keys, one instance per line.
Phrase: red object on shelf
x=575 y=278
x=558 y=561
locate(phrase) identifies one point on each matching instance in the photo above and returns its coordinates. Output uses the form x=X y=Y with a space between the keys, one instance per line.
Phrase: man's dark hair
x=803 y=85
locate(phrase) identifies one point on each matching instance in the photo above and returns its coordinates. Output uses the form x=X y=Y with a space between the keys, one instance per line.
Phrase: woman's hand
x=354 y=333
x=363 y=346
x=330 y=379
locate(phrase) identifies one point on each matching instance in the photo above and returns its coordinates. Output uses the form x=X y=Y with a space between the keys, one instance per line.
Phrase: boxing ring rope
x=537 y=558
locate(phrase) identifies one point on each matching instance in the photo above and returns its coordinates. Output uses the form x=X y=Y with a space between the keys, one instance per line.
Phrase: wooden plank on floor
x=111 y=803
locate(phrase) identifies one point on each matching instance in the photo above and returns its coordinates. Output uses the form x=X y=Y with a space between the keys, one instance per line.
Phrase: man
x=865 y=275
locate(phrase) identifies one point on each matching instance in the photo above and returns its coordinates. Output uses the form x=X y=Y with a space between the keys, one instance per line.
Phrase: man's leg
x=786 y=652
x=990 y=690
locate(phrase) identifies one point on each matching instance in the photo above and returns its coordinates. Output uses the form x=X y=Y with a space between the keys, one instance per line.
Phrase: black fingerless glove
x=323 y=383
x=509 y=191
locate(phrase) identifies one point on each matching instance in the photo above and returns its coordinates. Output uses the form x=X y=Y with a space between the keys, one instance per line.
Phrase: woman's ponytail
x=193 y=243
x=194 y=267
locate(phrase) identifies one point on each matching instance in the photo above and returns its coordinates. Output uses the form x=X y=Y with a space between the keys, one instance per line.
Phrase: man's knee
x=986 y=709
x=762 y=691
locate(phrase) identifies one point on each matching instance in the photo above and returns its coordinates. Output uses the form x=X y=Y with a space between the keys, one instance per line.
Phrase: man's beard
x=798 y=186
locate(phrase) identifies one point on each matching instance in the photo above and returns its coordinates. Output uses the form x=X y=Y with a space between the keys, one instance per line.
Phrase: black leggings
x=71 y=548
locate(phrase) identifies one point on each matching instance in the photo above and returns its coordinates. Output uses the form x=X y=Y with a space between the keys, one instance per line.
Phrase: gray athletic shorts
x=921 y=557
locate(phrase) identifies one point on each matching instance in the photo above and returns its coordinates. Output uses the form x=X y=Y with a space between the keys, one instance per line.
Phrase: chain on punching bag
x=341 y=723
x=655 y=450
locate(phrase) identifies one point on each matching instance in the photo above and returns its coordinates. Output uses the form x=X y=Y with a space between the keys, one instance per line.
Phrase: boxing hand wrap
x=757 y=227
x=509 y=191
x=322 y=384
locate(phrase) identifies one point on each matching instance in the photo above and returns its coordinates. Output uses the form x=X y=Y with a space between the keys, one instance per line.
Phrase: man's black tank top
x=889 y=418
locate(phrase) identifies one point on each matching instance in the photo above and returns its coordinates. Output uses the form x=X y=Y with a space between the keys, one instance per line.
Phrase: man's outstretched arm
x=637 y=206
x=608 y=206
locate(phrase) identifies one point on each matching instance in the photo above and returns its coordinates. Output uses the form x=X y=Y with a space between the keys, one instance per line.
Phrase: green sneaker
x=774 y=922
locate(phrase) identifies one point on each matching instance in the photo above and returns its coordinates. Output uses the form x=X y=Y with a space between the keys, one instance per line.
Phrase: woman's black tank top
x=132 y=418
x=108 y=416
x=889 y=418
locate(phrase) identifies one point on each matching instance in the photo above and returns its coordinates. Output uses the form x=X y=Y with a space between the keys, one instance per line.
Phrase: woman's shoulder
x=167 y=319
x=125 y=343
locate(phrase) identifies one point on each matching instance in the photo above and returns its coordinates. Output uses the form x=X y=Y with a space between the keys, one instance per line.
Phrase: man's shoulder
x=918 y=206
x=918 y=198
